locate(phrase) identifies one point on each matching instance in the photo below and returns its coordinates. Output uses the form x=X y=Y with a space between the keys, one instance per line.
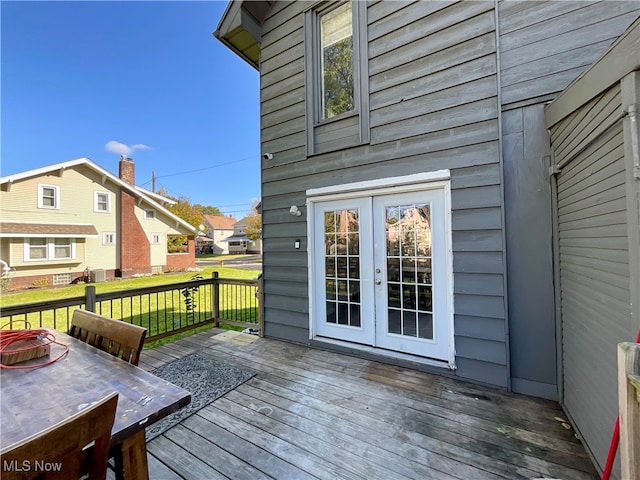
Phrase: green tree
x=191 y=214
x=338 y=78
x=208 y=209
x=253 y=228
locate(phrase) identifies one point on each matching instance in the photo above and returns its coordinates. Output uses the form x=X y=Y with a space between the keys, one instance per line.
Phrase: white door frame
x=392 y=185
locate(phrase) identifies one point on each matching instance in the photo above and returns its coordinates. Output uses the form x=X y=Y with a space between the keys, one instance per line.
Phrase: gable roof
x=240 y=28
x=136 y=192
x=220 y=221
x=243 y=221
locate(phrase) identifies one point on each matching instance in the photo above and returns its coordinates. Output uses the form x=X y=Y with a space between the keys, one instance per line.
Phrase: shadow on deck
x=314 y=414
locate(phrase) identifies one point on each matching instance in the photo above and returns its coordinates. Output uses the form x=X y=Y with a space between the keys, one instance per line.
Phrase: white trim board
x=408 y=182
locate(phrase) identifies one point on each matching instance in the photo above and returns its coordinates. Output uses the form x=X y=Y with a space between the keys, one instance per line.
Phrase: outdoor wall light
x=295 y=211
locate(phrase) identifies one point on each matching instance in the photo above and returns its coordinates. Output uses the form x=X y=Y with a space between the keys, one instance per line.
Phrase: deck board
x=310 y=414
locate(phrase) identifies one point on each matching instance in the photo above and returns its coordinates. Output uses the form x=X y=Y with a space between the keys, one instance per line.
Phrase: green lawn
x=55 y=293
x=161 y=313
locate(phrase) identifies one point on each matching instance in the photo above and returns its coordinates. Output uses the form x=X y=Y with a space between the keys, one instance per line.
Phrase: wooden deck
x=314 y=414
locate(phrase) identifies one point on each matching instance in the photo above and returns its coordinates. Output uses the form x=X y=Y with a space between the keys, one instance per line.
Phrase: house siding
x=450 y=121
x=449 y=88
x=594 y=261
x=543 y=46
x=546 y=45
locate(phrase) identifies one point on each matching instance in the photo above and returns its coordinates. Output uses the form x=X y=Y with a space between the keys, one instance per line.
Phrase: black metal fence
x=163 y=310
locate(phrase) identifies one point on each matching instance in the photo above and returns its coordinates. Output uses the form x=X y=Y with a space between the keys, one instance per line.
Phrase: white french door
x=381 y=269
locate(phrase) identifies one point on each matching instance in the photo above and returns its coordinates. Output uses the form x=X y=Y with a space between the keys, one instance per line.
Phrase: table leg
x=131 y=460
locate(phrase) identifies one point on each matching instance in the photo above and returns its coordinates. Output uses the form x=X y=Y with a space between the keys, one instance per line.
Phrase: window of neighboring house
x=156 y=238
x=36 y=249
x=336 y=77
x=150 y=214
x=108 y=238
x=48 y=196
x=62 y=248
x=102 y=202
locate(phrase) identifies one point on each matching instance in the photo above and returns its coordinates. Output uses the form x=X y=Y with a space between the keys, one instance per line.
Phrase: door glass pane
x=394 y=321
x=409 y=327
x=409 y=279
x=425 y=325
x=342 y=267
x=331 y=312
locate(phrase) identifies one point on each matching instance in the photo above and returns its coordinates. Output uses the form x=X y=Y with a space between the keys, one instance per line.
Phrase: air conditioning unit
x=98 y=276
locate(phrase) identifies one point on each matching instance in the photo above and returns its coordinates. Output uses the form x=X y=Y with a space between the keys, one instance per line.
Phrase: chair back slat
x=115 y=337
x=62 y=446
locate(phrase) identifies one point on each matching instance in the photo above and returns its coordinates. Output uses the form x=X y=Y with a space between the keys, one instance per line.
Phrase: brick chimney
x=135 y=253
x=127 y=170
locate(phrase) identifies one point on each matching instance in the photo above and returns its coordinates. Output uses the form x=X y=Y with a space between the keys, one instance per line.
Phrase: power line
x=200 y=169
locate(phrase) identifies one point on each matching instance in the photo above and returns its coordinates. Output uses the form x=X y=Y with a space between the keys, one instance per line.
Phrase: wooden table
x=34 y=399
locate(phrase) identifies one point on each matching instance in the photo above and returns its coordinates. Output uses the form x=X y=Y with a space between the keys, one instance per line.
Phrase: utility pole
x=153 y=182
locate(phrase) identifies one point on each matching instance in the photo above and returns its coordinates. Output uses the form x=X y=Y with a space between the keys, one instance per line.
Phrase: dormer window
x=48 y=196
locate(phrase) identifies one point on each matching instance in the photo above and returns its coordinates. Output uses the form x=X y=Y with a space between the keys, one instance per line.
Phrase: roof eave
x=240 y=29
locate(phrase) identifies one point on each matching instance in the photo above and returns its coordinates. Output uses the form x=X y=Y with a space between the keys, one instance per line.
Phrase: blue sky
x=148 y=75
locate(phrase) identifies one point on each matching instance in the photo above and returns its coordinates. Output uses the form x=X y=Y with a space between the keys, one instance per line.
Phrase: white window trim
x=104 y=238
x=50 y=249
x=153 y=238
x=313 y=74
x=96 y=195
x=147 y=216
x=56 y=189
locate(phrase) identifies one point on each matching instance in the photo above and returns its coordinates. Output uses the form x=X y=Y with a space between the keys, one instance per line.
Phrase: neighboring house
x=61 y=222
x=377 y=110
x=239 y=242
x=219 y=228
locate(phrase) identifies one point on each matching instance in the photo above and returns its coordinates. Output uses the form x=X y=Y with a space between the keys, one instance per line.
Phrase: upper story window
x=336 y=76
x=37 y=249
x=156 y=238
x=336 y=45
x=48 y=196
x=102 y=202
x=150 y=214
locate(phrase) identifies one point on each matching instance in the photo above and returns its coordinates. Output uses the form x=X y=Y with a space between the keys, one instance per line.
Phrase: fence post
x=90 y=298
x=629 y=408
x=260 y=295
x=215 y=299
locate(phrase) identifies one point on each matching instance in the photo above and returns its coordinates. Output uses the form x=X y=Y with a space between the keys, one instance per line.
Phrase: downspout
x=557 y=298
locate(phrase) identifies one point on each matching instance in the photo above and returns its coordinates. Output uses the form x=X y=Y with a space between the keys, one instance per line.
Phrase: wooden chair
x=124 y=341
x=59 y=451
x=116 y=337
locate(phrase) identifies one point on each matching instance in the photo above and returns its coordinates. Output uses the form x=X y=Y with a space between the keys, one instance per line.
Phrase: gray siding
x=436 y=88
x=532 y=327
x=544 y=46
x=594 y=263
x=433 y=104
